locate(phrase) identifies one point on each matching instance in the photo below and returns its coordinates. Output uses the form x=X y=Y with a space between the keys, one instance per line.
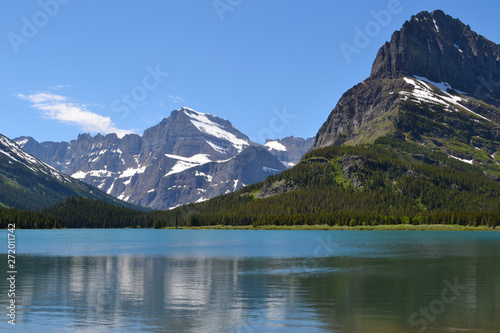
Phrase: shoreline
x=389 y=227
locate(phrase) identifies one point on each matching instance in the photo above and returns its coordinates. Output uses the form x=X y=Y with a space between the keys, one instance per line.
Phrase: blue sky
x=273 y=68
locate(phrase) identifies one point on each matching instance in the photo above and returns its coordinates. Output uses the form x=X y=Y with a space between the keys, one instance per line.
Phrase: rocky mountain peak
x=187 y=132
x=443 y=49
x=436 y=83
x=189 y=156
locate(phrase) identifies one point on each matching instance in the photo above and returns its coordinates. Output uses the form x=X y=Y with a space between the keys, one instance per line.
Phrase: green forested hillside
x=390 y=182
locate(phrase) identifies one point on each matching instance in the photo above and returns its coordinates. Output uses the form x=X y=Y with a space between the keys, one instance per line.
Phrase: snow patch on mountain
x=202 y=174
x=123 y=198
x=130 y=172
x=423 y=93
x=185 y=163
x=270 y=170
x=21 y=143
x=202 y=122
x=435 y=25
x=275 y=145
x=218 y=149
x=458 y=48
x=101 y=173
x=80 y=175
x=471 y=162
x=443 y=86
x=15 y=153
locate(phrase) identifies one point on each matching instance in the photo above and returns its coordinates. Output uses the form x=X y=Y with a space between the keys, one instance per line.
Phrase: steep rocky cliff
x=436 y=83
x=443 y=49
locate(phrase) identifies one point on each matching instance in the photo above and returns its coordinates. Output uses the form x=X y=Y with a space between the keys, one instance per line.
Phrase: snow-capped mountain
x=416 y=142
x=436 y=83
x=188 y=157
x=188 y=132
x=15 y=154
x=28 y=183
x=290 y=149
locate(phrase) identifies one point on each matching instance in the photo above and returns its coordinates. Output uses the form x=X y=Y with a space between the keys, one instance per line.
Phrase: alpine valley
x=417 y=142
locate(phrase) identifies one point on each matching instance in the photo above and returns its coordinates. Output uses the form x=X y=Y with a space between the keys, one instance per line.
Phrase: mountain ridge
x=454 y=109
x=182 y=159
x=424 y=49
x=28 y=183
x=398 y=148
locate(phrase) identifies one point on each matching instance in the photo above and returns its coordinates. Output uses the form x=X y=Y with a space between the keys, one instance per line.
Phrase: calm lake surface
x=254 y=281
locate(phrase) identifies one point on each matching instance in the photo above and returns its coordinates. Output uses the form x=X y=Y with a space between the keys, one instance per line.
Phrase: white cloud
x=59 y=86
x=58 y=107
x=176 y=99
x=42 y=98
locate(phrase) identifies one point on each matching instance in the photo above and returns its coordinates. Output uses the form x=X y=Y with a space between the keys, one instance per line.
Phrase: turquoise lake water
x=253 y=281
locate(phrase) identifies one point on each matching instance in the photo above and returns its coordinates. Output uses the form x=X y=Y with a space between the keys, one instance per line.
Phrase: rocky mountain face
x=28 y=183
x=443 y=49
x=188 y=157
x=208 y=180
x=290 y=149
x=436 y=83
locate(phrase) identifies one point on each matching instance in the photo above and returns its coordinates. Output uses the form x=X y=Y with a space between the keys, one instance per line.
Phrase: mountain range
x=417 y=142
x=28 y=183
x=188 y=157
